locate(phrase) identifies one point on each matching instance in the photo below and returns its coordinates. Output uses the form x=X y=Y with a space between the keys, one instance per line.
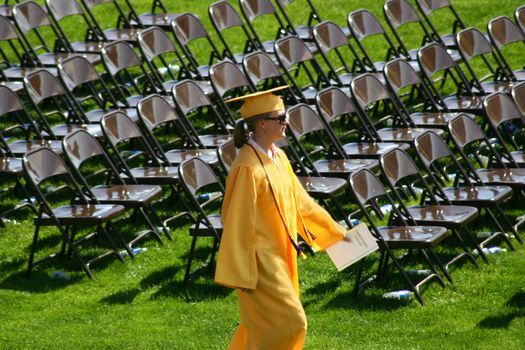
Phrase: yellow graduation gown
x=255 y=252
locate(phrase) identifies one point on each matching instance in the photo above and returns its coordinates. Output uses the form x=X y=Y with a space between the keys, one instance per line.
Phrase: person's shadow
x=504 y=320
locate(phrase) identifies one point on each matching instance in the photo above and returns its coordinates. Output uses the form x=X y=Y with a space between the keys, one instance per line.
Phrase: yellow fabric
x=260 y=102
x=256 y=253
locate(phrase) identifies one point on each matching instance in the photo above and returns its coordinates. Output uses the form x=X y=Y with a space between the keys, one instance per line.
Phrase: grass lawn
x=142 y=304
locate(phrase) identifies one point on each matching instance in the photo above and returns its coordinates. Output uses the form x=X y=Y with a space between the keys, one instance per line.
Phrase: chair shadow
x=504 y=320
x=122 y=297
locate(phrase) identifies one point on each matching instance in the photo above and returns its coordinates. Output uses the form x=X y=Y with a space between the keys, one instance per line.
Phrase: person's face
x=275 y=124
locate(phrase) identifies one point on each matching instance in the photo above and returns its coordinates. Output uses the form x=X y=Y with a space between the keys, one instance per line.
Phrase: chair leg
x=465 y=253
x=33 y=250
x=190 y=259
x=500 y=233
x=434 y=273
x=117 y=233
x=476 y=245
x=441 y=266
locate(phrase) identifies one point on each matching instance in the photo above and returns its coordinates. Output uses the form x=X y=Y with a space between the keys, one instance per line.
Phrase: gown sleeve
x=236 y=260
x=316 y=219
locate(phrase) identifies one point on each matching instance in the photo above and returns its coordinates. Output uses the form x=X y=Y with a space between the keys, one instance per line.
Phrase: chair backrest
x=81 y=146
x=154 y=111
x=76 y=70
x=503 y=31
x=367 y=89
x=196 y=174
x=399 y=13
x=227 y=153
x=29 y=15
x=291 y=50
x=329 y=36
x=119 y=55
x=302 y=120
x=500 y=107
x=519 y=16
x=518 y=94
x=364 y=24
x=154 y=41
x=397 y=165
x=42 y=85
x=188 y=27
x=259 y=68
x=64 y=8
x=464 y=131
x=434 y=58
x=431 y=148
x=252 y=9
x=471 y=43
x=41 y=164
x=9 y=101
x=332 y=103
x=400 y=74
x=224 y=16
x=226 y=76
x=118 y=127
x=188 y=96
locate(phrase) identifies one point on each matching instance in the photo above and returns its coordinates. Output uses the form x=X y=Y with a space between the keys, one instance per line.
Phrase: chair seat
x=513 y=177
x=16 y=86
x=19 y=148
x=343 y=167
x=83 y=215
x=88 y=46
x=63 y=129
x=19 y=73
x=126 y=195
x=415 y=237
x=519 y=74
x=518 y=157
x=202 y=230
x=304 y=32
x=322 y=187
x=95 y=115
x=155 y=175
x=478 y=195
x=214 y=141
x=11 y=166
x=53 y=59
x=497 y=86
x=432 y=119
x=128 y=34
x=372 y=149
x=6 y=10
x=443 y=215
x=464 y=103
x=178 y=156
x=403 y=134
x=162 y=20
x=449 y=40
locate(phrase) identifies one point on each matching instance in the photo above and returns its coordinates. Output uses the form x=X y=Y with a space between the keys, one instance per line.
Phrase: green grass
x=142 y=303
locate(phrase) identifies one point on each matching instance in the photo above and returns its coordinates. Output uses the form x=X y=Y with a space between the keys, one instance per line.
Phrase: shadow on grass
x=368 y=302
x=122 y=297
x=504 y=320
x=41 y=281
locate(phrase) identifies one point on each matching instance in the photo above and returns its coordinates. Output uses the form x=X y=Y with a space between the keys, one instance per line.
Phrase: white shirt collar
x=271 y=153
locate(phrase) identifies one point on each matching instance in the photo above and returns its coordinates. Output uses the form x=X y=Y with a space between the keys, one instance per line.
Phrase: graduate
x=264 y=209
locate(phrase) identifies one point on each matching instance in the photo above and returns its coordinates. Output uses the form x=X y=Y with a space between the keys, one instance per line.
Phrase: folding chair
x=436 y=65
x=300 y=67
x=400 y=170
x=201 y=115
x=157 y=115
x=504 y=36
x=505 y=121
x=13 y=46
x=127 y=33
x=370 y=193
x=518 y=94
x=92 y=95
x=71 y=12
x=414 y=97
x=303 y=31
x=225 y=19
x=165 y=62
x=379 y=109
x=33 y=22
x=139 y=163
x=45 y=89
x=435 y=154
x=436 y=9
x=108 y=187
x=43 y=164
x=364 y=25
x=197 y=177
x=121 y=62
x=161 y=18
x=12 y=171
x=483 y=160
x=188 y=28
x=340 y=56
x=473 y=44
x=326 y=158
x=17 y=123
x=339 y=113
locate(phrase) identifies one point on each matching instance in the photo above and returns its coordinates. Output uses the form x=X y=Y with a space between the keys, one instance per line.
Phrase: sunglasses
x=282 y=119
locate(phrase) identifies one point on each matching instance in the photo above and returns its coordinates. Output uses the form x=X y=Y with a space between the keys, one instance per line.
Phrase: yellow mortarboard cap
x=260 y=102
